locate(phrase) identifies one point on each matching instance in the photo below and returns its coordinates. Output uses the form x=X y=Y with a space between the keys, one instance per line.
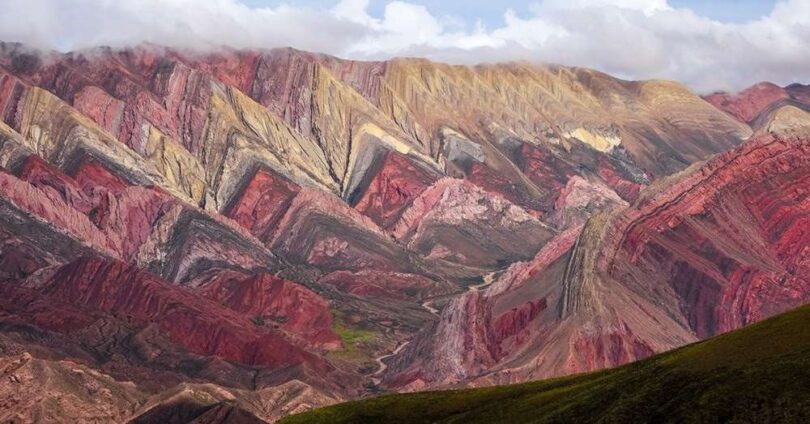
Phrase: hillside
x=760 y=373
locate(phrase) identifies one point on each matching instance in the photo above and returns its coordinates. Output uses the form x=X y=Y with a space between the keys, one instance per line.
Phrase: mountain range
x=253 y=233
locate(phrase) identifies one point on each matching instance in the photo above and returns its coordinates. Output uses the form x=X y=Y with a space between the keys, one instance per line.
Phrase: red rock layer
x=263 y=202
x=98 y=285
x=49 y=208
x=126 y=215
x=123 y=91
x=494 y=181
x=293 y=308
x=513 y=322
x=731 y=245
x=754 y=104
x=486 y=327
x=392 y=190
x=42 y=175
x=553 y=170
x=613 y=347
x=749 y=103
x=92 y=176
x=282 y=79
x=545 y=170
x=457 y=222
x=375 y=284
x=321 y=230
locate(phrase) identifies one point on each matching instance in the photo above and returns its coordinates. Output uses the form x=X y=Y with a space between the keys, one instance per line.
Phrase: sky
x=491 y=12
x=709 y=45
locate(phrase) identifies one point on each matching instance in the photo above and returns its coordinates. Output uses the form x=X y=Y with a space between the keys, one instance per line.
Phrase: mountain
x=702 y=252
x=259 y=232
x=756 y=374
x=767 y=106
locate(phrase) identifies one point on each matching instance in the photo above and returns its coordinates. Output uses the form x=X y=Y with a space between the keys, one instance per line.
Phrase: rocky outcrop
x=321 y=230
x=479 y=330
x=262 y=203
x=40 y=389
x=744 y=242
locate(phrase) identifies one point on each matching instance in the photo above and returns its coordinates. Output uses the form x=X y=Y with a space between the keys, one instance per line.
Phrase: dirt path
x=382 y=365
x=428 y=303
x=488 y=279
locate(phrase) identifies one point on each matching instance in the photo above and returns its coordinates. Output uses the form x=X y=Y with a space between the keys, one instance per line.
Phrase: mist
x=632 y=39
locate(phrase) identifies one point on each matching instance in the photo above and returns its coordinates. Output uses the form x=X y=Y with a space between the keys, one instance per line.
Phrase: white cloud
x=69 y=24
x=648 y=7
x=635 y=39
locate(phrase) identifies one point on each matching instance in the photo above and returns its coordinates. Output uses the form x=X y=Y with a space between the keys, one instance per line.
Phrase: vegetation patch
x=353 y=338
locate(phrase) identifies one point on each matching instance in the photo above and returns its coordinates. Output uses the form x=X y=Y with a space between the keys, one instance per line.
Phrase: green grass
x=352 y=338
x=760 y=374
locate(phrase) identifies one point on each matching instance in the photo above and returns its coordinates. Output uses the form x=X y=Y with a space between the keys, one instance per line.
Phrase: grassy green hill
x=759 y=374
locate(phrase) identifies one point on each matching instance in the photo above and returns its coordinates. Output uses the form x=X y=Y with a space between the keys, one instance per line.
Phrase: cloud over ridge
x=634 y=39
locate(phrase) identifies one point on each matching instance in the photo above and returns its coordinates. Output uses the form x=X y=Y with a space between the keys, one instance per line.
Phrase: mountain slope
x=766 y=106
x=756 y=374
x=702 y=252
x=295 y=229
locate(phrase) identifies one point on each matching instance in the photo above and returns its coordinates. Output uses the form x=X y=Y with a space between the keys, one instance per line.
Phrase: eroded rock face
x=263 y=202
x=265 y=230
x=393 y=189
x=701 y=253
x=728 y=243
